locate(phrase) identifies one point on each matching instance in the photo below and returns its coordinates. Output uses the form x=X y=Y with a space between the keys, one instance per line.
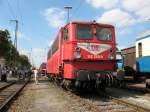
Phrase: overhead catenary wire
x=13 y=18
x=16 y=14
x=11 y=10
x=19 y=12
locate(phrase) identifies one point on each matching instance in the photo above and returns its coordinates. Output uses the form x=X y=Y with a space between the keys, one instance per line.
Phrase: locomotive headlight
x=110 y=56
x=77 y=54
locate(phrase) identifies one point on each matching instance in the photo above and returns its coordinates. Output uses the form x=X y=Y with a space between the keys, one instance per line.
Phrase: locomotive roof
x=88 y=23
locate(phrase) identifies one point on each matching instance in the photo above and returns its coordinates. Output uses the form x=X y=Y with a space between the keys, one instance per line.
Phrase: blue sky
x=39 y=20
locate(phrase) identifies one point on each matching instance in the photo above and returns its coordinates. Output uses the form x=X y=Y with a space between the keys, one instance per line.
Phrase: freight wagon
x=143 y=53
x=143 y=56
x=129 y=61
x=129 y=55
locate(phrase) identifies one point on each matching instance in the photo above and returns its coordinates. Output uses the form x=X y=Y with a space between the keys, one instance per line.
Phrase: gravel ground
x=45 y=97
x=137 y=98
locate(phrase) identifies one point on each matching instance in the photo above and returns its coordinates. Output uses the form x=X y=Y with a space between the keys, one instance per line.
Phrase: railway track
x=106 y=103
x=136 y=108
x=7 y=85
x=99 y=102
x=9 y=92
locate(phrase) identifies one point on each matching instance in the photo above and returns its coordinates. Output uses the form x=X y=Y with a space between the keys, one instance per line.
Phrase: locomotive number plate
x=94 y=56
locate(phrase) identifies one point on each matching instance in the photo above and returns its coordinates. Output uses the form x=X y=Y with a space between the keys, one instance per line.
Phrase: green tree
x=5 y=43
x=9 y=52
x=24 y=62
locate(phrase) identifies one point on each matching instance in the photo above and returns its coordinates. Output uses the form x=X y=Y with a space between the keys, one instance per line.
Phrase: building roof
x=144 y=35
x=132 y=47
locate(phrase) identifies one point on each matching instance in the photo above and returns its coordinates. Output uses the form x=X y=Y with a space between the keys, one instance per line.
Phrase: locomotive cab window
x=104 y=34
x=65 y=35
x=83 y=32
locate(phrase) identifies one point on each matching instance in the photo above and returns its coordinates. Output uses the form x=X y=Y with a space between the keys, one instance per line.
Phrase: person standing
x=4 y=74
x=35 y=75
x=121 y=77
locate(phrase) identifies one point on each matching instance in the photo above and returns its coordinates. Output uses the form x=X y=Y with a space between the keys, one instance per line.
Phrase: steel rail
x=4 y=105
x=7 y=85
x=97 y=108
x=94 y=107
x=136 y=107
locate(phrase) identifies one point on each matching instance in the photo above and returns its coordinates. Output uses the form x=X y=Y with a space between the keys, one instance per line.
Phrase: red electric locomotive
x=83 y=55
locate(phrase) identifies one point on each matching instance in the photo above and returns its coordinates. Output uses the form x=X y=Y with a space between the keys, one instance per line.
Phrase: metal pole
x=16 y=33
x=68 y=8
x=15 y=41
x=32 y=62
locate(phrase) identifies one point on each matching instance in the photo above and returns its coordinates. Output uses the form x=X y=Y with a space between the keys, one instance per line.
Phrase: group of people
x=21 y=74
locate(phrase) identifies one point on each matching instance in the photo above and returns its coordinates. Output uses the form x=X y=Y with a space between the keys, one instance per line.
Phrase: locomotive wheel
x=67 y=84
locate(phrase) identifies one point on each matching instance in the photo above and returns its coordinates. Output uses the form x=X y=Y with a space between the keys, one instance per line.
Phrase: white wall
x=145 y=47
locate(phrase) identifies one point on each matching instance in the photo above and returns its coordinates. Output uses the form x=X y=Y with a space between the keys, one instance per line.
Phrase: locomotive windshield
x=83 y=32
x=104 y=34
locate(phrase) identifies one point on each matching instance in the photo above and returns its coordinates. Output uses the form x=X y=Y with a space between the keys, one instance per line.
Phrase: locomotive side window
x=65 y=35
x=53 y=48
x=83 y=32
x=104 y=34
x=140 y=49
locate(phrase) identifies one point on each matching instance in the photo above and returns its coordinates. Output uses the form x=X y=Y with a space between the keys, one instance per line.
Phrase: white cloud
x=106 y=4
x=38 y=55
x=55 y=16
x=2 y=28
x=117 y=17
x=140 y=8
x=125 y=31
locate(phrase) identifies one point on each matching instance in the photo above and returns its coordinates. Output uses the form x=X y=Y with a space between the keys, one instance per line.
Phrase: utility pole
x=15 y=41
x=32 y=55
x=67 y=8
x=16 y=32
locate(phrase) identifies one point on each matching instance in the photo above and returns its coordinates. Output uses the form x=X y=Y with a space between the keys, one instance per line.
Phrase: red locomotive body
x=83 y=52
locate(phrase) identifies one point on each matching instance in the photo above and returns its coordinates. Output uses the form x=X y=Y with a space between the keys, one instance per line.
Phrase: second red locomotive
x=83 y=55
